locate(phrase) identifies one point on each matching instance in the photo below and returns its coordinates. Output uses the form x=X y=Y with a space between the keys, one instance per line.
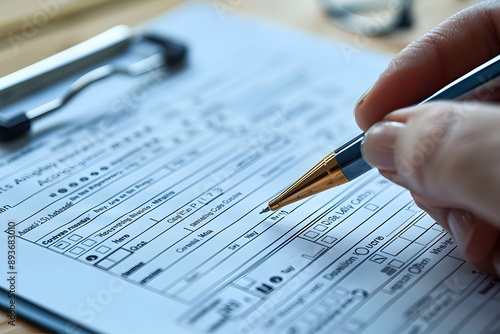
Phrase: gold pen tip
x=265 y=210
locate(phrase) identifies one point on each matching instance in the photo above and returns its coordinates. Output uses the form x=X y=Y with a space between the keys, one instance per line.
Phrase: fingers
x=450 y=50
x=447 y=153
x=476 y=237
x=478 y=240
x=444 y=153
x=496 y=260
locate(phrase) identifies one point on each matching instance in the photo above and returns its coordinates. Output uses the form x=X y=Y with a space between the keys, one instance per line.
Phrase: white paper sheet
x=139 y=210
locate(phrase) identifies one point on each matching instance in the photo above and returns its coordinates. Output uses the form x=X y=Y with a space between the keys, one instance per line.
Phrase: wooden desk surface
x=30 y=31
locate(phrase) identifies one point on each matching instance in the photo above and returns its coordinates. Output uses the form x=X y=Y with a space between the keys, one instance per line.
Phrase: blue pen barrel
x=351 y=160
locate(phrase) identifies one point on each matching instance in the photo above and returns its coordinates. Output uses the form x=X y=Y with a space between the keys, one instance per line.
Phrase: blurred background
x=31 y=30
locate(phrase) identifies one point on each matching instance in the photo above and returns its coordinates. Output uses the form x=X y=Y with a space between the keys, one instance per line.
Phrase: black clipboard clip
x=171 y=57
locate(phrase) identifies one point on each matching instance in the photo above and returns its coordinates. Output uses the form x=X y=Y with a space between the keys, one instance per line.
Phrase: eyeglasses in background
x=382 y=17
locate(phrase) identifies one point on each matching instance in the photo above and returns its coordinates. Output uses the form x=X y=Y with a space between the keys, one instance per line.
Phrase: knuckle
x=424 y=156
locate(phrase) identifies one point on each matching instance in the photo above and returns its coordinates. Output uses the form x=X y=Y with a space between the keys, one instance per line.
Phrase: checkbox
x=320 y=227
x=62 y=245
x=75 y=237
x=245 y=282
x=77 y=250
x=119 y=255
x=103 y=249
x=371 y=207
x=329 y=240
x=396 y=263
x=105 y=264
x=88 y=242
x=311 y=234
x=379 y=259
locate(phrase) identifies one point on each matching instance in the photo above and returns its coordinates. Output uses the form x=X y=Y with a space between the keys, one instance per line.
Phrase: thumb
x=446 y=152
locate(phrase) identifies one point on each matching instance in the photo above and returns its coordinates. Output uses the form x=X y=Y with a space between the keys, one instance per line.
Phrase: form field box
x=113 y=259
x=75 y=237
x=62 y=245
x=413 y=208
x=410 y=252
x=457 y=253
x=103 y=249
x=119 y=255
x=105 y=264
x=377 y=258
x=313 y=256
x=438 y=227
x=329 y=239
x=244 y=282
x=425 y=222
x=396 y=264
x=428 y=236
x=412 y=233
x=88 y=242
x=396 y=246
x=77 y=250
x=320 y=227
x=311 y=234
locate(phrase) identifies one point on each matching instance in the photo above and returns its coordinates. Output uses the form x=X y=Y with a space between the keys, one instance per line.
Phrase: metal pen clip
x=16 y=85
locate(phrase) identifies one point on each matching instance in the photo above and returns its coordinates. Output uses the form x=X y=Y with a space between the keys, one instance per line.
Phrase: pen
x=347 y=163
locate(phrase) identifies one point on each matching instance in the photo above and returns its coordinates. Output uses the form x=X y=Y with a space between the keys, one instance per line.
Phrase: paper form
x=141 y=213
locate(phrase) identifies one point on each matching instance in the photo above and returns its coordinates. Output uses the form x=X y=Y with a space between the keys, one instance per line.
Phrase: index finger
x=450 y=50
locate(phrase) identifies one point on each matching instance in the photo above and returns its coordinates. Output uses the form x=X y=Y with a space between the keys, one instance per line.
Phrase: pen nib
x=265 y=210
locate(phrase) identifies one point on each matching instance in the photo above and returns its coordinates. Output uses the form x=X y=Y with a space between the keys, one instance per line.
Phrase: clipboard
x=170 y=57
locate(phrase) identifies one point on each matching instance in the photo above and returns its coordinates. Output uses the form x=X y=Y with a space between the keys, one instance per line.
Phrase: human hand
x=446 y=153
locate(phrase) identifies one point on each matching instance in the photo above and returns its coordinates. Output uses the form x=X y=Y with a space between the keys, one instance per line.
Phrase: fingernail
x=379 y=143
x=362 y=99
x=461 y=227
x=394 y=177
